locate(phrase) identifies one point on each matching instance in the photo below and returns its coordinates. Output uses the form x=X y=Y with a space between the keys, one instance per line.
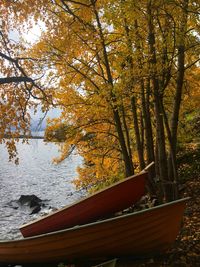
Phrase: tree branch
x=15 y=79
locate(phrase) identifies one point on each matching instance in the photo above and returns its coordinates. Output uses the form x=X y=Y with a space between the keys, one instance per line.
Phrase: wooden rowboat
x=110 y=263
x=145 y=232
x=103 y=203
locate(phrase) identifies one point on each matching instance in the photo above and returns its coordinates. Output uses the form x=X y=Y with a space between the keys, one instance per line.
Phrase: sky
x=31 y=36
x=35 y=118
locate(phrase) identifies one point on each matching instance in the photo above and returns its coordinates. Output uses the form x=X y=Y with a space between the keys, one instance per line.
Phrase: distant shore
x=32 y=137
x=27 y=137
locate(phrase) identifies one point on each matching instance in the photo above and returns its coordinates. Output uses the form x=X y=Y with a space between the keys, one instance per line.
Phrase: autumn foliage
x=123 y=74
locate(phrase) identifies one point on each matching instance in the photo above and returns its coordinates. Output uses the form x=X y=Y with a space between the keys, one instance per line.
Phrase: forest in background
x=125 y=75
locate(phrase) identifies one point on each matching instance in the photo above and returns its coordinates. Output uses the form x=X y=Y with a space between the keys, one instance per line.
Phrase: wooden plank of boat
x=145 y=232
x=103 y=203
x=110 y=263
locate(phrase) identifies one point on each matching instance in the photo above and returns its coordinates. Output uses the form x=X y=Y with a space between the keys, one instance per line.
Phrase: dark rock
x=30 y=200
x=31 y=203
x=36 y=209
x=34 y=203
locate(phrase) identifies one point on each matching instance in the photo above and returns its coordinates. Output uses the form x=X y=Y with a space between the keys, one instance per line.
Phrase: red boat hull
x=103 y=203
x=143 y=233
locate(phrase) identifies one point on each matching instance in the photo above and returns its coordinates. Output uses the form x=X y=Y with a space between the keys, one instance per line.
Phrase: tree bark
x=145 y=102
x=172 y=165
x=140 y=149
x=160 y=134
x=128 y=141
x=137 y=134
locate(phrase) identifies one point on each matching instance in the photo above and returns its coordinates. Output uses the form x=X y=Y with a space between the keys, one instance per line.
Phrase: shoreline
x=24 y=137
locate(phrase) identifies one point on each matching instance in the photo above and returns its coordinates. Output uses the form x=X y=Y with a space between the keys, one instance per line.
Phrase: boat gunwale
x=82 y=200
x=77 y=227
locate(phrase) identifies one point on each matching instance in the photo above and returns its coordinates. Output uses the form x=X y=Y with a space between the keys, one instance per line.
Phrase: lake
x=36 y=174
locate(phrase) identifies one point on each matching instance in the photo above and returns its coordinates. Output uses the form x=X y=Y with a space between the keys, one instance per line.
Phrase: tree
x=118 y=71
x=19 y=89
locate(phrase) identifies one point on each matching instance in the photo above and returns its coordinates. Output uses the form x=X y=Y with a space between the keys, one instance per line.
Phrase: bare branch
x=15 y=79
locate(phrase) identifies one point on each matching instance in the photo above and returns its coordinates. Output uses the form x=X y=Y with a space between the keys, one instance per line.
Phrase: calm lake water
x=36 y=174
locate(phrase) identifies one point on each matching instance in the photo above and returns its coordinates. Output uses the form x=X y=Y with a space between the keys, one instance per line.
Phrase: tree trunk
x=145 y=102
x=160 y=135
x=128 y=142
x=133 y=104
x=137 y=134
x=129 y=169
x=148 y=124
x=179 y=90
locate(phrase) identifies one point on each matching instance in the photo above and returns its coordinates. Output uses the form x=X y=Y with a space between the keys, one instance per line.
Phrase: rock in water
x=31 y=201
x=36 y=209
